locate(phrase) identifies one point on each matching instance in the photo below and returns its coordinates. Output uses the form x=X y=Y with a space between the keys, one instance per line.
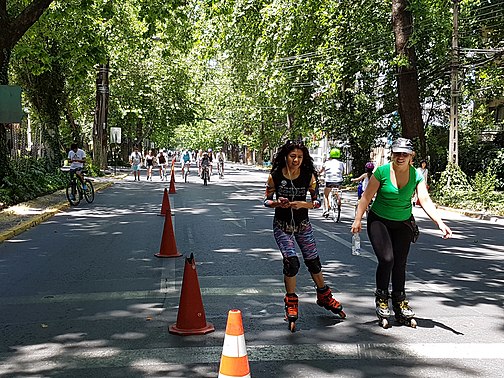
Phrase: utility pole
x=453 y=138
x=100 y=134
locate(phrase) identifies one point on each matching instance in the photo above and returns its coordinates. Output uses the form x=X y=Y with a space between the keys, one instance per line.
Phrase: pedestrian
x=391 y=226
x=150 y=158
x=425 y=174
x=292 y=176
x=161 y=159
x=363 y=179
x=136 y=161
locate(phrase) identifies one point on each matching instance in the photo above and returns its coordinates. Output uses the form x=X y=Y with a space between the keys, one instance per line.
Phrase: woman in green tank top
x=391 y=227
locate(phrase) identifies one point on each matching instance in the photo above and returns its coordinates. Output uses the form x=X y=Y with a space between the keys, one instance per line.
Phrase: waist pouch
x=415 y=232
x=290 y=227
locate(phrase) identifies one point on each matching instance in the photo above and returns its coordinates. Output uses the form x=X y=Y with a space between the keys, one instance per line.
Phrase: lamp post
x=100 y=120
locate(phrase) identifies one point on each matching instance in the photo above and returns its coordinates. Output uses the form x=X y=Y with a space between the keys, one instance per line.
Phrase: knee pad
x=291 y=266
x=314 y=266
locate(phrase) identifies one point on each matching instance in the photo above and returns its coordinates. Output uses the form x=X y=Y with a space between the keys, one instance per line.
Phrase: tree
x=12 y=28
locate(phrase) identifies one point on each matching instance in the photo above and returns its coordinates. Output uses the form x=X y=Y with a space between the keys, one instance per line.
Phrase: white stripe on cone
x=234 y=346
x=230 y=376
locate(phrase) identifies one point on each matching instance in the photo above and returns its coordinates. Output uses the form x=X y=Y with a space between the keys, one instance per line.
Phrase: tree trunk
x=11 y=31
x=100 y=134
x=407 y=76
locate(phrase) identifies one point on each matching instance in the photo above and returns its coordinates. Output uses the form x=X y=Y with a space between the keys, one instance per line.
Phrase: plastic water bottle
x=356 y=244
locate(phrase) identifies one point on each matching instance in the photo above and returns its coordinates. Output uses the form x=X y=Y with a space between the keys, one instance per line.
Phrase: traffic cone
x=168 y=245
x=165 y=205
x=234 y=360
x=191 y=319
x=172 y=183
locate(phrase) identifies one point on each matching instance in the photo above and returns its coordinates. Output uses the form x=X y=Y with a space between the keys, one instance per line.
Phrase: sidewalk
x=16 y=219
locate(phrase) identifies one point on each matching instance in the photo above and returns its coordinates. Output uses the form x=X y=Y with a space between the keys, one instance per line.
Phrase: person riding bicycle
x=210 y=159
x=333 y=169
x=77 y=157
x=363 y=179
x=220 y=159
x=186 y=161
x=205 y=164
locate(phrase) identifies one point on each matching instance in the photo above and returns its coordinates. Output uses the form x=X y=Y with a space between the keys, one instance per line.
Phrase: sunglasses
x=403 y=154
x=294 y=143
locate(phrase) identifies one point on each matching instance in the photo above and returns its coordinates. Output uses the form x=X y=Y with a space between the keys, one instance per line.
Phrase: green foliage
x=452 y=179
x=29 y=179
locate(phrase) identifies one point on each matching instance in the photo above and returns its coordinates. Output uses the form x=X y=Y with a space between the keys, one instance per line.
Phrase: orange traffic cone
x=165 y=205
x=191 y=319
x=168 y=245
x=234 y=360
x=172 y=183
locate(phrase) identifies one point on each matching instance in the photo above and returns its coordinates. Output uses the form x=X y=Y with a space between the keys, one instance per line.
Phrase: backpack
x=162 y=159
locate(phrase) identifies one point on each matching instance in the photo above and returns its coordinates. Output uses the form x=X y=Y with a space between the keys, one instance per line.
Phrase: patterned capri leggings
x=303 y=236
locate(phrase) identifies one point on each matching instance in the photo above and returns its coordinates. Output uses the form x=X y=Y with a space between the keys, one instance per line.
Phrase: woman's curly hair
x=280 y=159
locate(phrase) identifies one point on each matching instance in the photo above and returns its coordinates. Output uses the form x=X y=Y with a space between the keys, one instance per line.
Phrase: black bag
x=415 y=232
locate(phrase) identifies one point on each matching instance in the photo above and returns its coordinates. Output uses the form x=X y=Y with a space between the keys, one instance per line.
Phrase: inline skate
x=326 y=300
x=382 y=307
x=402 y=311
x=291 y=310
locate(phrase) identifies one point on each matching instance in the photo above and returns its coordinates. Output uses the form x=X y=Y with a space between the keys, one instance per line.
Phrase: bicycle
x=205 y=174
x=75 y=190
x=334 y=206
x=220 y=168
x=185 y=170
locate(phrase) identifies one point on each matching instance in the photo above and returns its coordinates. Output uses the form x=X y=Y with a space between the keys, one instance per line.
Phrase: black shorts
x=331 y=184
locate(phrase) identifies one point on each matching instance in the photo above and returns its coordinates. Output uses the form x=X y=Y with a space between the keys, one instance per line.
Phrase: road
x=82 y=294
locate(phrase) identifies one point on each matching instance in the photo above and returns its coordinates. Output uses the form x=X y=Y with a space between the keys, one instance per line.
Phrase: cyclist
x=205 y=163
x=220 y=159
x=77 y=157
x=210 y=159
x=363 y=179
x=186 y=161
x=333 y=169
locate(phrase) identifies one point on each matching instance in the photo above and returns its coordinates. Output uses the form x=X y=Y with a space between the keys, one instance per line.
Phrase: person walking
x=149 y=163
x=136 y=161
x=391 y=226
x=292 y=176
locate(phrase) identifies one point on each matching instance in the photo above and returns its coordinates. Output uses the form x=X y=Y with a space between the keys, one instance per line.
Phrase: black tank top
x=294 y=190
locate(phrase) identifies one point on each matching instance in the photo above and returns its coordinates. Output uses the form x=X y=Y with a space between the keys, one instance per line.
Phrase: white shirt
x=79 y=155
x=334 y=170
x=136 y=157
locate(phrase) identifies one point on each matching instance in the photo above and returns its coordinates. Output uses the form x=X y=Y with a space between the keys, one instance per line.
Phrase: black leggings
x=391 y=243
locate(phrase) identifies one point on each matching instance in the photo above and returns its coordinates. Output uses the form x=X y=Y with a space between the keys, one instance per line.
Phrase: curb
x=475 y=214
x=39 y=218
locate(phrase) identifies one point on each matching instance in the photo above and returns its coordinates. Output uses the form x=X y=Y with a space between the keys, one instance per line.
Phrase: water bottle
x=356 y=244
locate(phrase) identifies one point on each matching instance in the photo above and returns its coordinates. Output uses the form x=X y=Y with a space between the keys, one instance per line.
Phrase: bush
x=29 y=178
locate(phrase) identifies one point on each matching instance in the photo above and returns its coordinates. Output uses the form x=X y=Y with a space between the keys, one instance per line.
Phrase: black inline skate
x=402 y=311
x=382 y=307
x=291 y=310
x=326 y=300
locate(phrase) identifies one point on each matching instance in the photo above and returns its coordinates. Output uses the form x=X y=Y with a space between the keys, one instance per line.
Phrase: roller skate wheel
x=341 y=314
x=413 y=323
x=384 y=323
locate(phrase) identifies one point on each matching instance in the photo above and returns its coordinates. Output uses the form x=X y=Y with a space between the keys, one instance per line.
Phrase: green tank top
x=393 y=203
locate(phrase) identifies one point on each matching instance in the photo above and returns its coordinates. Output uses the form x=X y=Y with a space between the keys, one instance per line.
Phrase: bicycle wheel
x=73 y=199
x=333 y=207
x=186 y=173
x=89 y=192
x=339 y=212
x=205 y=177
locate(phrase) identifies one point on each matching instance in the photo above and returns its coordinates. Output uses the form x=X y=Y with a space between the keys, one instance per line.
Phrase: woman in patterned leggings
x=292 y=176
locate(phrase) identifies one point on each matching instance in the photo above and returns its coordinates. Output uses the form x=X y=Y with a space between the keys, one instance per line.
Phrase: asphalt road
x=82 y=294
